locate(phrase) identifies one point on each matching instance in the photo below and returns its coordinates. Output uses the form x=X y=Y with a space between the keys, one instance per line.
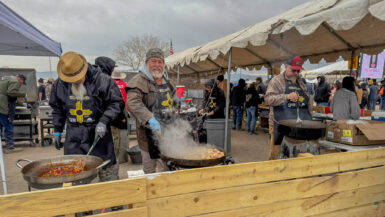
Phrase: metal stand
x=2 y=167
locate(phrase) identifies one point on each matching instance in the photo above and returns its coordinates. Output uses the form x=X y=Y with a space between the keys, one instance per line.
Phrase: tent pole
x=50 y=68
x=178 y=79
x=351 y=62
x=2 y=167
x=228 y=100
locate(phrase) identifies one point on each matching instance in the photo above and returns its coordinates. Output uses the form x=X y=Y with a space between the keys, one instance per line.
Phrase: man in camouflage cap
x=150 y=100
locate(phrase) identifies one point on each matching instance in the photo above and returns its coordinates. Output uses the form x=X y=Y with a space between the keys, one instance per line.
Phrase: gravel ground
x=245 y=148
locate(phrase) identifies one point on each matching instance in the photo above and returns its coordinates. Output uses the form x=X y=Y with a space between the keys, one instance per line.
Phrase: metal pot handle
x=103 y=164
x=20 y=160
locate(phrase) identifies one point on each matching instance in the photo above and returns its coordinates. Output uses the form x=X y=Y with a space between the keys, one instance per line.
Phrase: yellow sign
x=355 y=62
x=168 y=102
x=347 y=133
x=79 y=112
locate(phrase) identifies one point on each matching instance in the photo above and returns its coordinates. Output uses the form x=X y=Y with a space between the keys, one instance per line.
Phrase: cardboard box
x=321 y=109
x=366 y=113
x=342 y=131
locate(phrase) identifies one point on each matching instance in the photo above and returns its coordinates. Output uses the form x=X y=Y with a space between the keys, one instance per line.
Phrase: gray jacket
x=345 y=105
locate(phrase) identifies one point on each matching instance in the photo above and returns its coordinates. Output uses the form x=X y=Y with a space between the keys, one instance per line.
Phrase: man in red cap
x=284 y=93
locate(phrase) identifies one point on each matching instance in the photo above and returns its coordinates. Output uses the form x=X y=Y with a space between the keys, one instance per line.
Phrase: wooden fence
x=343 y=184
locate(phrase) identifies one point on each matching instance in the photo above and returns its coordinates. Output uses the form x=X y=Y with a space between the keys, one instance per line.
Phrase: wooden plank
x=311 y=206
x=305 y=155
x=194 y=180
x=259 y=194
x=137 y=212
x=376 y=209
x=74 y=199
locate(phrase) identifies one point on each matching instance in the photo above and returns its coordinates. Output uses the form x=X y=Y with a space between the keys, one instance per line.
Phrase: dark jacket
x=102 y=103
x=106 y=64
x=373 y=92
x=322 y=93
x=215 y=102
x=238 y=95
x=252 y=97
x=261 y=88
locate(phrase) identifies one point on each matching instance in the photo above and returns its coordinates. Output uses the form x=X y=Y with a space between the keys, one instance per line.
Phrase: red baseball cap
x=296 y=63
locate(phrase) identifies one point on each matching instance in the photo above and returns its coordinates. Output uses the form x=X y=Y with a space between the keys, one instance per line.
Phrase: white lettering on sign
x=347 y=139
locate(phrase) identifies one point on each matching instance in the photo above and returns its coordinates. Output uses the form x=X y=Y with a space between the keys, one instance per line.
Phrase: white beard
x=155 y=74
x=79 y=91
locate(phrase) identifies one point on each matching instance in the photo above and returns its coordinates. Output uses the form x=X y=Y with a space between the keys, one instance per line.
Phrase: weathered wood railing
x=343 y=184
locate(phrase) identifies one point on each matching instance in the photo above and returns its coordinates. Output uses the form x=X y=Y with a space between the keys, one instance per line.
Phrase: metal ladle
x=298 y=118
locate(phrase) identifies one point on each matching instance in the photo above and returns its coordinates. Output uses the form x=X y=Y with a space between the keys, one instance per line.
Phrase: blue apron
x=288 y=111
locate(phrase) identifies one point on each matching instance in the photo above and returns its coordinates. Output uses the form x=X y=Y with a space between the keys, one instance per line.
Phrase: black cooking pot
x=305 y=130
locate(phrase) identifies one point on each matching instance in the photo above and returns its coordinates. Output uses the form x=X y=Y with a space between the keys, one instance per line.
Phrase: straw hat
x=72 y=67
x=116 y=74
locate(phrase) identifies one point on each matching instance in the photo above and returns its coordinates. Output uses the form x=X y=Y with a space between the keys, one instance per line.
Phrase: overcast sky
x=96 y=27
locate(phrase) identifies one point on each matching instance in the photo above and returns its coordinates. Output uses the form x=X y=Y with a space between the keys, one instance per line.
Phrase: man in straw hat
x=150 y=100
x=87 y=100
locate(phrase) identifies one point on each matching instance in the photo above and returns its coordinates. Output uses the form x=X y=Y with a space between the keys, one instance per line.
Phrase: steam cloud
x=177 y=142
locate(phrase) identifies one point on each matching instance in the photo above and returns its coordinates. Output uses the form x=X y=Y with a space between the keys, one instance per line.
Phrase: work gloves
x=100 y=130
x=154 y=125
x=57 y=141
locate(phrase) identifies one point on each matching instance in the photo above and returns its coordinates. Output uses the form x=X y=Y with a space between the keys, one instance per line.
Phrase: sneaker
x=250 y=133
x=11 y=150
x=8 y=150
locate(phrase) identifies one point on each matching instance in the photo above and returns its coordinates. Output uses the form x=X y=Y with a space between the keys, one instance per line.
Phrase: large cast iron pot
x=305 y=130
x=34 y=168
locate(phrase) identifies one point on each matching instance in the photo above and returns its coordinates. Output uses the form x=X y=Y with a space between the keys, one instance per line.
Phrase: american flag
x=171 y=49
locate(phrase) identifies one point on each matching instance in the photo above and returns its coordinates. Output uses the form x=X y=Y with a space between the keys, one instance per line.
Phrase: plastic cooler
x=216 y=133
x=378 y=116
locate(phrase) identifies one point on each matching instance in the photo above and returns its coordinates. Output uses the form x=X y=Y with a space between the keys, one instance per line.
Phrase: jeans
x=251 y=118
x=322 y=104
x=372 y=104
x=237 y=116
x=382 y=103
x=8 y=131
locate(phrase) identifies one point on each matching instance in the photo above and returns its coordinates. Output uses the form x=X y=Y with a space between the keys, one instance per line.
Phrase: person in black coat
x=252 y=101
x=322 y=93
x=214 y=101
x=86 y=100
x=238 y=97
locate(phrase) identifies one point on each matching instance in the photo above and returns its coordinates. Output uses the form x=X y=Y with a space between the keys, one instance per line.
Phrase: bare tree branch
x=132 y=53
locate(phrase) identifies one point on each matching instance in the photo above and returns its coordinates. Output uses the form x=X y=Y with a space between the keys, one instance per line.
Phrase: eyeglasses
x=296 y=71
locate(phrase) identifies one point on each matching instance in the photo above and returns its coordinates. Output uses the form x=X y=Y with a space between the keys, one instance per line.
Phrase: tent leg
x=2 y=167
x=228 y=99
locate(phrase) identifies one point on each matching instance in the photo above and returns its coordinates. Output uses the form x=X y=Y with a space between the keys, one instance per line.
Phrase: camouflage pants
x=110 y=173
x=116 y=138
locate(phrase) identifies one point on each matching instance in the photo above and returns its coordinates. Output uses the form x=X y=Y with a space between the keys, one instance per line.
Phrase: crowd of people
x=94 y=101
x=368 y=93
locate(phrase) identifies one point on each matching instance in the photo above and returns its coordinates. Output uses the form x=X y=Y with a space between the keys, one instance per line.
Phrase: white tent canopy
x=340 y=67
x=18 y=37
x=314 y=30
